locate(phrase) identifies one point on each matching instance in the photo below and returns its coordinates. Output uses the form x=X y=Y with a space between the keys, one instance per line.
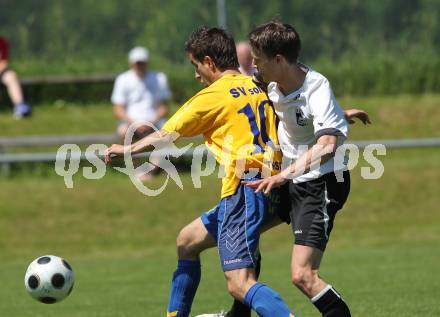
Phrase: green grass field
x=383 y=254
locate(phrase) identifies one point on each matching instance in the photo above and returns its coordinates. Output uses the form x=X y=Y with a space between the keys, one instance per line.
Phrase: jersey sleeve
x=328 y=117
x=196 y=116
x=118 y=94
x=163 y=91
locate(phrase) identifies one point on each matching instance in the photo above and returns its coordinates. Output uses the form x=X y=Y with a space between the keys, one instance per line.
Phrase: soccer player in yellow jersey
x=239 y=127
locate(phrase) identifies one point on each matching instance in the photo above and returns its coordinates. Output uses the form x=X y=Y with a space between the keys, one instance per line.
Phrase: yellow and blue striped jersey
x=238 y=125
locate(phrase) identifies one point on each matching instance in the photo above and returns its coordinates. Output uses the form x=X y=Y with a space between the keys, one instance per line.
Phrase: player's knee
x=236 y=289
x=299 y=277
x=188 y=245
x=183 y=243
x=238 y=282
x=304 y=278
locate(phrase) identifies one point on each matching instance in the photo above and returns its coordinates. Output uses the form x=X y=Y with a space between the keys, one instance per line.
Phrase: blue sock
x=266 y=302
x=183 y=288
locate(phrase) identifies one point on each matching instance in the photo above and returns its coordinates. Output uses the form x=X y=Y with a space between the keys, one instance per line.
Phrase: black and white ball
x=49 y=279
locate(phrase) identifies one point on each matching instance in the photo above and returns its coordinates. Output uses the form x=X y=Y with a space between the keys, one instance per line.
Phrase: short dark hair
x=276 y=38
x=215 y=43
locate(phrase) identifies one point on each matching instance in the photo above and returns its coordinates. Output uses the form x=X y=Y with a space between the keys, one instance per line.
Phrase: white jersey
x=305 y=115
x=141 y=96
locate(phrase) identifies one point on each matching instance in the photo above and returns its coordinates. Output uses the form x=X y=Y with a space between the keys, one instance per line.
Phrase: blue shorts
x=235 y=224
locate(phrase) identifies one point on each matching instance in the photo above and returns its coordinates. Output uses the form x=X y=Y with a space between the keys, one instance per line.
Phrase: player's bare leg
x=243 y=286
x=12 y=83
x=192 y=240
x=238 y=308
x=121 y=131
x=305 y=275
x=10 y=79
x=239 y=282
x=305 y=269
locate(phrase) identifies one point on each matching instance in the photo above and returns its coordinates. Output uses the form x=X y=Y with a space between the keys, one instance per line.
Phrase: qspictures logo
x=203 y=163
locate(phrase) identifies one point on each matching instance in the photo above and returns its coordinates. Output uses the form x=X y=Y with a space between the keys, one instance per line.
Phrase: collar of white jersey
x=275 y=94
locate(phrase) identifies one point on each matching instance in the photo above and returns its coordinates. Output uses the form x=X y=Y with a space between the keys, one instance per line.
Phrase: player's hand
x=115 y=151
x=356 y=113
x=266 y=185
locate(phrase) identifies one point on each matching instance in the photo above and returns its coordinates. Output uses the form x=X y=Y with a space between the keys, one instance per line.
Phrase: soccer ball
x=49 y=279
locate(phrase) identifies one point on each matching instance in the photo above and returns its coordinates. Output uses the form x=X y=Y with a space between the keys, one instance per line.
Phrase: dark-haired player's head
x=211 y=51
x=274 y=44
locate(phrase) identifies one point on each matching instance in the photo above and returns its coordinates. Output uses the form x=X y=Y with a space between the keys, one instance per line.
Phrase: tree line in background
x=363 y=47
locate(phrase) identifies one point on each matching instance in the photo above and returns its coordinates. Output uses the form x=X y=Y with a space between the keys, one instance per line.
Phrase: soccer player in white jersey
x=312 y=126
x=243 y=52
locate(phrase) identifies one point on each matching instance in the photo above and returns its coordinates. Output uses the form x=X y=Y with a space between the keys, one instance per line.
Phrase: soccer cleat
x=22 y=110
x=221 y=314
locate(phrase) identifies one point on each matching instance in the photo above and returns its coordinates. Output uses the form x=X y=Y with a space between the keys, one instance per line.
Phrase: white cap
x=138 y=54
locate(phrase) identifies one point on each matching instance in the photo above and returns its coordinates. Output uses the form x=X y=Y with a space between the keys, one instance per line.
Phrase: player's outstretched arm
x=362 y=115
x=145 y=144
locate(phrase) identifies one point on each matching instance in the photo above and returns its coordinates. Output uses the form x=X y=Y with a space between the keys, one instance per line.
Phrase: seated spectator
x=9 y=78
x=140 y=95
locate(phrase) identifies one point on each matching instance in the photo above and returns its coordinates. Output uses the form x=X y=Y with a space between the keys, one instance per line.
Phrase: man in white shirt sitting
x=140 y=96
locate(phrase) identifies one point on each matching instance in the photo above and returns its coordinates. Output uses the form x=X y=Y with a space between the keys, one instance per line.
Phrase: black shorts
x=311 y=207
